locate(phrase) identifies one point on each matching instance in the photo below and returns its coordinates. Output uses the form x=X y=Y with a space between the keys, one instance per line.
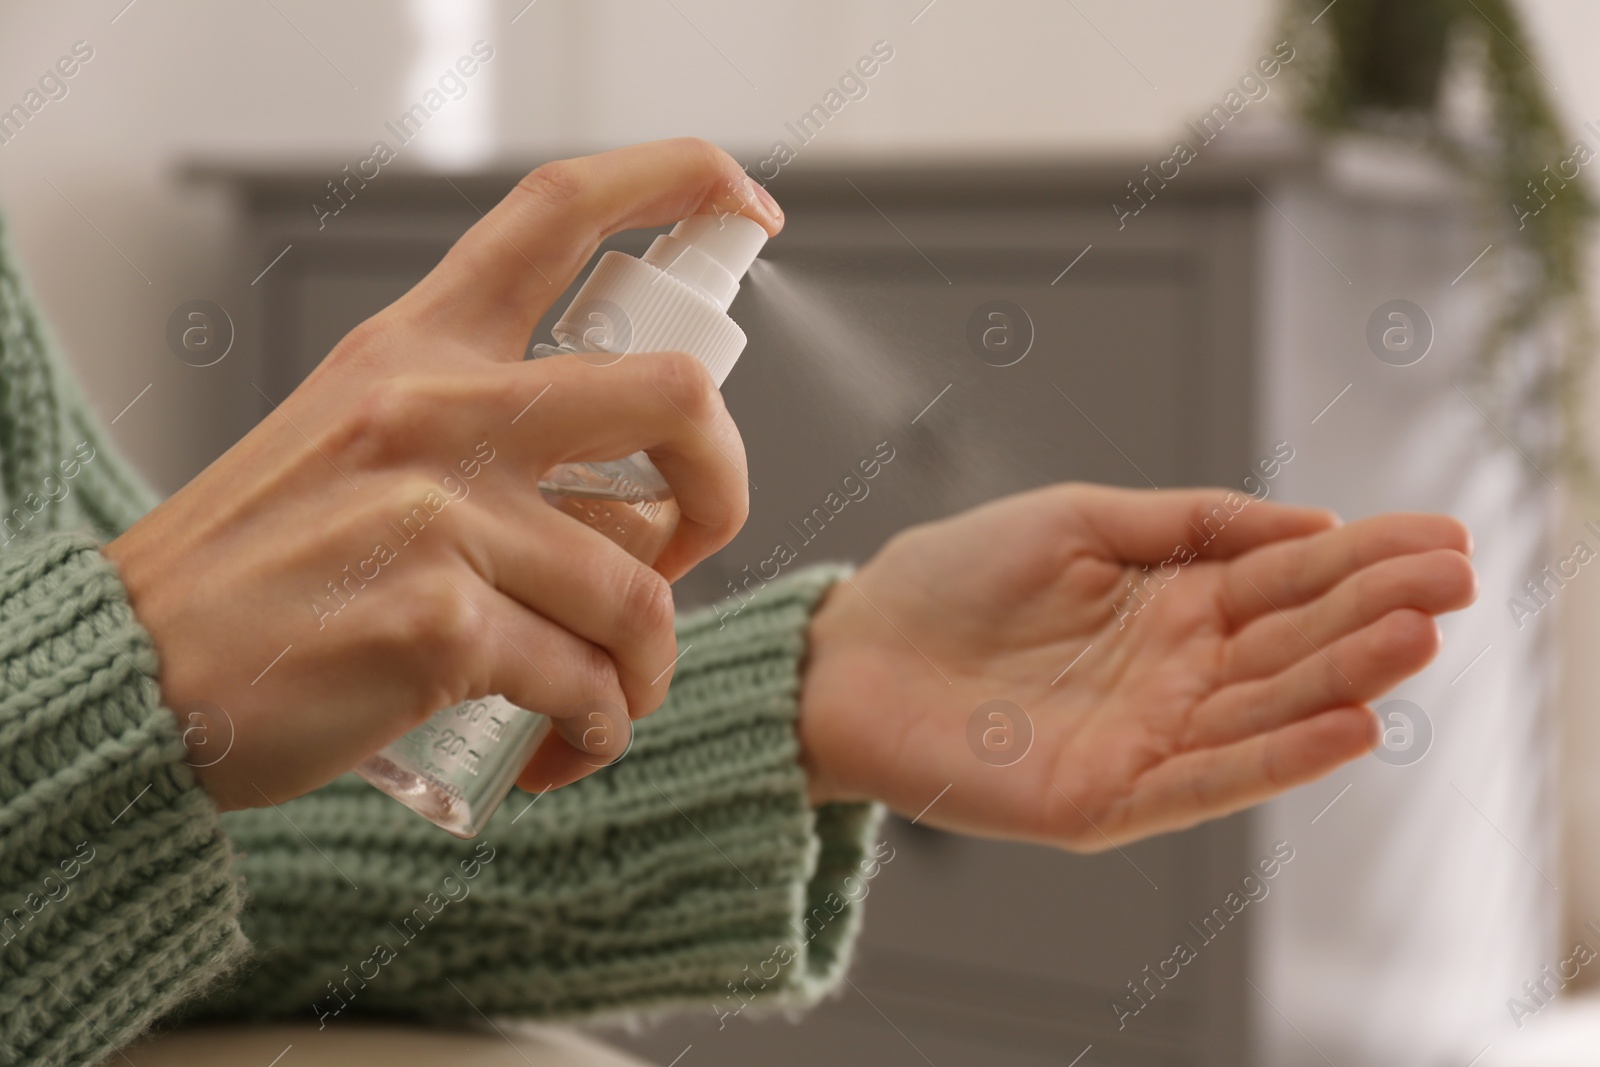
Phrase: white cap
x=673 y=300
x=709 y=252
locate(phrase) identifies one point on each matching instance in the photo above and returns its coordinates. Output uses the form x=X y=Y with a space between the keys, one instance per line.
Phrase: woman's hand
x=377 y=549
x=1243 y=666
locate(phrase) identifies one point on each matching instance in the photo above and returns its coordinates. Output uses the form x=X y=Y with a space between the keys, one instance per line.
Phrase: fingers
x=667 y=406
x=1285 y=575
x=473 y=633
x=558 y=762
x=506 y=271
x=1430 y=582
x=581 y=581
x=519 y=421
x=1146 y=526
x=1350 y=671
x=542 y=667
x=1214 y=782
x=514 y=653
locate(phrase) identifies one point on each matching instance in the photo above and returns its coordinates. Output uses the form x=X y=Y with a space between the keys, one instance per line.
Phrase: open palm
x=1086 y=666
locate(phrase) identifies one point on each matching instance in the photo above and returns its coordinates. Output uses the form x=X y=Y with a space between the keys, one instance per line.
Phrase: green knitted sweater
x=126 y=900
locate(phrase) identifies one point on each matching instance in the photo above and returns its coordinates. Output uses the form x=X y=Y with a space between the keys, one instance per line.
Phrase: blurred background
x=1327 y=291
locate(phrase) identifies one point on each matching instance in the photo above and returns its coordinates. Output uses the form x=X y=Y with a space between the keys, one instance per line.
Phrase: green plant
x=1382 y=65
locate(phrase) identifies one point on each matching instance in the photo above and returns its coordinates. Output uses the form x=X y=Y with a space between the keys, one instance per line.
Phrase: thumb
x=506 y=271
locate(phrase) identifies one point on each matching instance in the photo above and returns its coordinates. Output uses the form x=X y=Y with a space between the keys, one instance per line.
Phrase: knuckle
x=379 y=411
x=594 y=673
x=713 y=159
x=447 y=629
x=701 y=145
x=366 y=341
x=558 y=183
x=1415 y=633
x=737 y=505
x=646 y=607
x=411 y=503
x=687 y=384
x=1068 y=503
x=1069 y=500
x=388 y=419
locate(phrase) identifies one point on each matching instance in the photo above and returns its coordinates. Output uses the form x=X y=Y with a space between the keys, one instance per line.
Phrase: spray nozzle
x=710 y=253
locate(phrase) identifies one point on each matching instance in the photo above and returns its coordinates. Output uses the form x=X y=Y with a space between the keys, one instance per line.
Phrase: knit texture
x=651 y=884
x=694 y=872
x=114 y=882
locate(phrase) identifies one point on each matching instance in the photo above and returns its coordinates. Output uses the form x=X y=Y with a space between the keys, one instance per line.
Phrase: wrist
x=827 y=641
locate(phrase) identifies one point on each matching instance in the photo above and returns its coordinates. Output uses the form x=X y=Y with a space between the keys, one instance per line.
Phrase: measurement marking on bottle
x=432 y=776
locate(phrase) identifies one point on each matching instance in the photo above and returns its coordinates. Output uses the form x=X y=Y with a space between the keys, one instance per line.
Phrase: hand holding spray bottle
x=457 y=768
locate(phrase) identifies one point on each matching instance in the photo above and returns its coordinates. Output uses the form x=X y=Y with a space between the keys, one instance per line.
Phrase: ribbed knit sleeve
x=116 y=897
x=693 y=872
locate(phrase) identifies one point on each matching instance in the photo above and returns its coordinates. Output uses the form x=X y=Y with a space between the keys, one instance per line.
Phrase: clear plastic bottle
x=457 y=768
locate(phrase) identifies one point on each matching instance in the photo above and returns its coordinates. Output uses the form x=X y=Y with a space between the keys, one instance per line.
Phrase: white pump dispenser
x=457 y=768
x=675 y=299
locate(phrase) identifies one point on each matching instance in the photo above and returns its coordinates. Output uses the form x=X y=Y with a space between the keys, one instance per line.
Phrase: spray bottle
x=457 y=768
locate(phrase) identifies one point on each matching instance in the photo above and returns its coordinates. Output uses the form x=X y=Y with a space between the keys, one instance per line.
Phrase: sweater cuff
x=693 y=873
x=116 y=897
x=720 y=886
x=726 y=887
x=750 y=665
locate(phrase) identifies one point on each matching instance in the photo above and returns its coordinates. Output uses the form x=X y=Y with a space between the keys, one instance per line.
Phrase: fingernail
x=763 y=198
